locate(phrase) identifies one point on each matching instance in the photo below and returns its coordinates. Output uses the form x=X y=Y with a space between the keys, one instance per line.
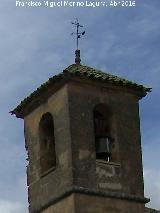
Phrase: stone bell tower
x=82 y=136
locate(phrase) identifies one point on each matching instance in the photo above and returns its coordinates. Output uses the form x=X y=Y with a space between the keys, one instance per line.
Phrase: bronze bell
x=103 y=148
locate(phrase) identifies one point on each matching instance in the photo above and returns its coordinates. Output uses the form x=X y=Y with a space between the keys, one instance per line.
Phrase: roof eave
x=48 y=88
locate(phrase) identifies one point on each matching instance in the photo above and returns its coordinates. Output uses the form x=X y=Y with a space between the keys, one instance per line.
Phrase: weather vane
x=77 y=33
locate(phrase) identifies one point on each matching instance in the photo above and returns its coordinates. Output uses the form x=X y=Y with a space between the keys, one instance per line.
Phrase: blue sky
x=35 y=44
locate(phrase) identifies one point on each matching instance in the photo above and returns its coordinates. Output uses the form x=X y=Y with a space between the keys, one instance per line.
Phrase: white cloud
x=7 y=206
x=14 y=198
x=152 y=187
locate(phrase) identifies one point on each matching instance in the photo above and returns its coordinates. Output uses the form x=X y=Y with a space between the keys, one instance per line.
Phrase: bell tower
x=82 y=136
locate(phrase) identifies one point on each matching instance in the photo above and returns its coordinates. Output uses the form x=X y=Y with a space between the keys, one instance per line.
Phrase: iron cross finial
x=78 y=34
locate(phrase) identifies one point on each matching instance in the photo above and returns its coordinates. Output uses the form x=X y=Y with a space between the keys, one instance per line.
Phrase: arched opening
x=103 y=139
x=47 y=143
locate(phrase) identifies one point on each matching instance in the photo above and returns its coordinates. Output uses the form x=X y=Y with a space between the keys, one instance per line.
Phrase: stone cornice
x=92 y=192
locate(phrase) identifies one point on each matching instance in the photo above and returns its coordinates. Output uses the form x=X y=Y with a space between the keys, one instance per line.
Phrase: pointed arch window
x=47 y=143
x=103 y=139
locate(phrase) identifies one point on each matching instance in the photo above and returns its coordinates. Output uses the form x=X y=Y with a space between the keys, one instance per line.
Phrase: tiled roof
x=84 y=72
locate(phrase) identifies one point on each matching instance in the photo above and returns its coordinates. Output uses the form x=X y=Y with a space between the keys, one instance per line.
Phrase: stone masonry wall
x=43 y=190
x=125 y=131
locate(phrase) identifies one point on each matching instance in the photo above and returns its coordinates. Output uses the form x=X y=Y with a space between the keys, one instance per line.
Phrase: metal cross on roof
x=77 y=33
